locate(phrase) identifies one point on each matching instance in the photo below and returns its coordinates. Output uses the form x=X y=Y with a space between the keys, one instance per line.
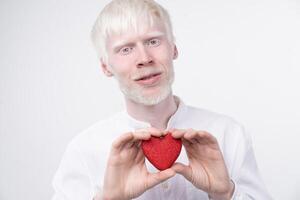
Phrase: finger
x=157 y=134
x=182 y=169
x=122 y=140
x=149 y=129
x=140 y=135
x=186 y=143
x=178 y=133
x=129 y=139
x=170 y=130
x=137 y=138
x=200 y=137
x=191 y=136
x=140 y=157
x=206 y=136
x=156 y=178
x=152 y=131
x=165 y=132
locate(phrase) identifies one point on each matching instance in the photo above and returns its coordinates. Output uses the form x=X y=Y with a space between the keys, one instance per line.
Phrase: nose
x=144 y=57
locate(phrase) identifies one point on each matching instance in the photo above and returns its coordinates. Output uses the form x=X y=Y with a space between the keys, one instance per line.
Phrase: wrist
x=227 y=195
x=106 y=198
x=112 y=196
x=101 y=196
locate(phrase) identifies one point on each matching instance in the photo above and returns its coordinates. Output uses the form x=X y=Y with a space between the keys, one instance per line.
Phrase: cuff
x=236 y=194
x=234 y=190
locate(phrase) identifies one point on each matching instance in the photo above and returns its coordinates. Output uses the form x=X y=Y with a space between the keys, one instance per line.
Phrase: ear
x=105 y=68
x=175 y=54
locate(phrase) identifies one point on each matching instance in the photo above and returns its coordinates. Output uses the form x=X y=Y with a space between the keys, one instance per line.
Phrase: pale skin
x=126 y=175
x=206 y=169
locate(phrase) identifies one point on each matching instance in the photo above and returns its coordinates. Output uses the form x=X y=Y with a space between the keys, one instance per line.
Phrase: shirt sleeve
x=245 y=174
x=72 y=180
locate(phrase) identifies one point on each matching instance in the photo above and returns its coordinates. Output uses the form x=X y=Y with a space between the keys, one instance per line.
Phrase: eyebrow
x=148 y=36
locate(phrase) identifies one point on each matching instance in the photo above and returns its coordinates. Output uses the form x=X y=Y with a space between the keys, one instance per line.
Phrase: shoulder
x=221 y=125
x=208 y=117
x=99 y=135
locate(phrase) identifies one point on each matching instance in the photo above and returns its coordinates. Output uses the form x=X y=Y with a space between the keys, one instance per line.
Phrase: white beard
x=136 y=94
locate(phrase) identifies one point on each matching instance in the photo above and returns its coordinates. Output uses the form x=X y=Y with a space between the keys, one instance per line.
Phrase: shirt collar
x=135 y=124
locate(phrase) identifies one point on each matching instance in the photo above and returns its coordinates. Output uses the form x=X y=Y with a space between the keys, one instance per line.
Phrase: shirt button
x=165 y=185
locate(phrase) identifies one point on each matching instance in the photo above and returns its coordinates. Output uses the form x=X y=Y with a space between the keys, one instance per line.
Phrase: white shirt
x=81 y=171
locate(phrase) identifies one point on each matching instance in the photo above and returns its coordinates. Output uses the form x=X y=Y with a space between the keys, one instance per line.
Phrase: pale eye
x=154 y=42
x=125 y=50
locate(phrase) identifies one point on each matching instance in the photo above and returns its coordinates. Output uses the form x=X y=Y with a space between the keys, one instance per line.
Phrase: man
x=136 y=46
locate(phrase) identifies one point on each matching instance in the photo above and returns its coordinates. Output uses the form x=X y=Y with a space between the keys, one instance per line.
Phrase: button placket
x=165 y=185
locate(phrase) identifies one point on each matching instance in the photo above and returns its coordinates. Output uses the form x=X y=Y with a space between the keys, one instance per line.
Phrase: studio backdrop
x=239 y=58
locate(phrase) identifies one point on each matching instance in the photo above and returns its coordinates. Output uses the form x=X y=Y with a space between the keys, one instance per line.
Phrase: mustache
x=145 y=72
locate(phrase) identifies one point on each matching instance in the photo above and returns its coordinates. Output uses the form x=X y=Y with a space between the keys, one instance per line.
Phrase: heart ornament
x=163 y=151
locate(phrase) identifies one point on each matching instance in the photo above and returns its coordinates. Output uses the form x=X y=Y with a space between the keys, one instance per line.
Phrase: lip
x=150 y=81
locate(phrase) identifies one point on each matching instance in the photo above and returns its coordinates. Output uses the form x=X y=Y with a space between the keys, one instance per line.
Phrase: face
x=142 y=63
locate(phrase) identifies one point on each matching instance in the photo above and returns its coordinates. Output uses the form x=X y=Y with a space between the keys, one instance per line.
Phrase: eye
x=125 y=50
x=153 y=42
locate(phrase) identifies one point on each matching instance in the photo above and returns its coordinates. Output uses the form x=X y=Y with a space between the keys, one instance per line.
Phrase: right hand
x=126 y=175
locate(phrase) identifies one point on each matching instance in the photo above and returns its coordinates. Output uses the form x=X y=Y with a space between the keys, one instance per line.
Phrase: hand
x=206 y=170
x=126 y=175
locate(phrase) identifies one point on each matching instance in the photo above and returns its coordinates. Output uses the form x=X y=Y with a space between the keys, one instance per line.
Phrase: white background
x=240 y=58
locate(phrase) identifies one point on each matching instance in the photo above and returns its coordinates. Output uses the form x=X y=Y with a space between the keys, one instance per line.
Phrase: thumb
x=159 y=177
x=182 y=169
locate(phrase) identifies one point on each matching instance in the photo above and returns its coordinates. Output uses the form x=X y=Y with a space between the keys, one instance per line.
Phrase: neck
x=157 y=115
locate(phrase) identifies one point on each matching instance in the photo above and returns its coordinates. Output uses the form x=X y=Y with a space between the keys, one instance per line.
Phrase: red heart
x=162 y=152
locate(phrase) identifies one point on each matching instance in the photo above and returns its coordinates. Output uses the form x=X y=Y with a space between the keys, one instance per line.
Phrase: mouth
x=150 y=79
x=147 y=77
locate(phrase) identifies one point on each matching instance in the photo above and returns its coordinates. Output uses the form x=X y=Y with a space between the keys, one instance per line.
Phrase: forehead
x=132 y=35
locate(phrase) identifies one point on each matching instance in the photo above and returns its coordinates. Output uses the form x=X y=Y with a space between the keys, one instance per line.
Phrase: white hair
x=120 y=16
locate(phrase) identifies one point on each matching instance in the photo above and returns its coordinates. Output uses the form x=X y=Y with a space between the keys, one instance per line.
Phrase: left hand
x=206 y=170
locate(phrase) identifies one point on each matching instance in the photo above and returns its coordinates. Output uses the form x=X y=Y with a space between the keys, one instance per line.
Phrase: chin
x=148 y=99
x=149 y=96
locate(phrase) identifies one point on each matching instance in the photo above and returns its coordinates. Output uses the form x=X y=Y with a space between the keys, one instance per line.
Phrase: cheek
x=122 y=74
x=121 y=66
x=166 y=60
x=165 y=54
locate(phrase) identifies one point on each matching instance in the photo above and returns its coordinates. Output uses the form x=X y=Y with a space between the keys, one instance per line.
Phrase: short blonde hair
x=120 y=16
